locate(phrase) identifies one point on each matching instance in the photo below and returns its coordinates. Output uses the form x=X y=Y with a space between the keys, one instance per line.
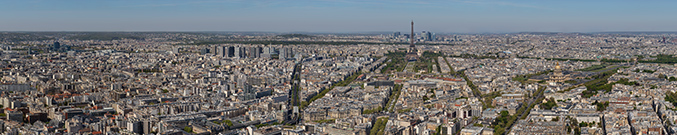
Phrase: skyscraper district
x=337 y=84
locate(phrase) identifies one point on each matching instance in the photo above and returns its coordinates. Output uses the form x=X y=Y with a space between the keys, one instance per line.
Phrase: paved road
x=532 y=101
x=294 y=100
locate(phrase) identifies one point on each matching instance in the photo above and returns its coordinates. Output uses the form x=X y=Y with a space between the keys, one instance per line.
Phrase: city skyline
x=339 y=16
x=168 y=83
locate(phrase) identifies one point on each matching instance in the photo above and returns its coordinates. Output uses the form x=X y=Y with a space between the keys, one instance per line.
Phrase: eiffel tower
x=412 y=54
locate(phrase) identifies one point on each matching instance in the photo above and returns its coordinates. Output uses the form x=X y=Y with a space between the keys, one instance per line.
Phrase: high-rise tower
x=411 y=39
x=412 y=54
x=56 y=46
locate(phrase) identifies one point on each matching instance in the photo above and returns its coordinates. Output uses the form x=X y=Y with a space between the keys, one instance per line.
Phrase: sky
x=340 y=16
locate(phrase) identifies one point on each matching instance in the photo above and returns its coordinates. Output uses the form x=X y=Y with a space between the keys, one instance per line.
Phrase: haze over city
x=339 y=16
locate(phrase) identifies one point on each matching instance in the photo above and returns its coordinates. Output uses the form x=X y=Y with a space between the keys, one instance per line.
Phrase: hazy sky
x=441 y=16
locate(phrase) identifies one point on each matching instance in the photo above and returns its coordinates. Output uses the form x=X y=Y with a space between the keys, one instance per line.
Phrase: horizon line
x=358 y=32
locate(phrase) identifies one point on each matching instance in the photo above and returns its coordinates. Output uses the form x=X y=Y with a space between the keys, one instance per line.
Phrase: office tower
x=283 y=54
x=135 y=127
x=433 y=37
x=271 y=50
x=267 y=52
x=231 y=51
x=251 y=52
x=215 y=50
x=424 y=36
x=290 y=53
x=257 y=51
x=222 y=51
x=147 y=127
x=243 y=52
x=218 y=51
x=396 y=34
x=238 y=52
x=247 y=51
x=56 y=46
x=286 y=53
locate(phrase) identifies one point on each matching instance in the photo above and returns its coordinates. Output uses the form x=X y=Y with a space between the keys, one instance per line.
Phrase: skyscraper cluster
x=427 y=36
x=424 y=36
x=396 y=34
x=59 y=48
x=286 y=53
x=252 y=52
